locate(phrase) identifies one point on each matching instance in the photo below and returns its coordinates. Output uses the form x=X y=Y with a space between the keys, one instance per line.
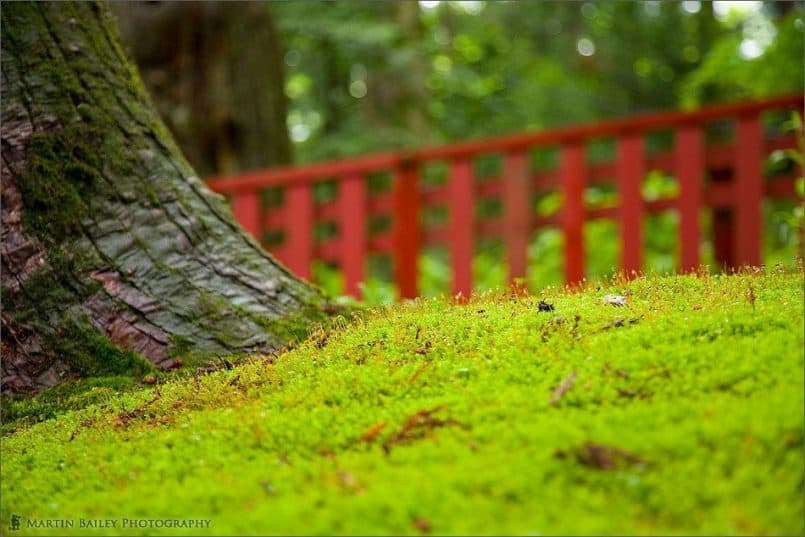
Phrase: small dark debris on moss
x=601 y=456
x=372 y=431
x=620 y=322
x=322 y=339
x=124 y=418
x=331 y=308
x=418 y=426
x=750 y=295
x=421 y=524
x=419 y=372
x=424 y=349
x=544 y=306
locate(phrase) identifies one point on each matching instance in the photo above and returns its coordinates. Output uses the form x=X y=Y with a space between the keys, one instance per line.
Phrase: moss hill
x=680 y=412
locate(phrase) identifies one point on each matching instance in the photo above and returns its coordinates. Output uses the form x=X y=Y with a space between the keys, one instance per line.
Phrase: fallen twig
x=563 y=388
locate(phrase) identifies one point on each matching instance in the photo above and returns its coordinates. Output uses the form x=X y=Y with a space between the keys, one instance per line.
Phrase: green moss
x=62 y=175
x=91 y=354
x=47 y=308
x=46 y=293
x=292 y=328
x=53 y=402
x=180 y=346
x=6 y=295
x=434 y=414
x=295 y=327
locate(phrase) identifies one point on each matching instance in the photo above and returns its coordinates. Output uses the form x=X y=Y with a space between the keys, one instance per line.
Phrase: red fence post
x=572 y=174
x=723 y=231
x=516 y=212
x=723 y=222
x=352 y=216
x=406 y=228
x=690 y=168
x=630 y=170
x=299 y=230
x=461 y=232
x=246 y=208
x=748 y=190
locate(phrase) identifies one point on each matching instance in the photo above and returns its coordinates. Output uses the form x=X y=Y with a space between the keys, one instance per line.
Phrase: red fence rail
x=716 y=155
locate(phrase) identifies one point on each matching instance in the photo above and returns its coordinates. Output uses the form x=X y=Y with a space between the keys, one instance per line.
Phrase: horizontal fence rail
x=343 y=211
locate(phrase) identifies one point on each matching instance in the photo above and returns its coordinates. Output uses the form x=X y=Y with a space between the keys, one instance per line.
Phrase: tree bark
x=214 y=71
x=115 y=257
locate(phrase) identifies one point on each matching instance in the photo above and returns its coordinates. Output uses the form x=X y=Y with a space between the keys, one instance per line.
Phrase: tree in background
x=356 y=76
x=215 y=73
x=115 y=256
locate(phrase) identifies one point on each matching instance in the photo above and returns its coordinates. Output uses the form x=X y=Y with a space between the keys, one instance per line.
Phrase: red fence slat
x=406 y=229
x=352 y=220
x=381 y=243
x=572 y=173
x=434 y=236
x=631 y=169
x=749 y=190
x=462 y=224
x=516 y=212
x=299 y=231
x=274 y=218
x=720 y=196
x=246 y=207
x=690 y=175
x=329 y=250
x=327 y=211
x=380 y=204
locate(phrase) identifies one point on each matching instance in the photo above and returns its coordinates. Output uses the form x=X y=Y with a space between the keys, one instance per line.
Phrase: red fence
x=716 y=155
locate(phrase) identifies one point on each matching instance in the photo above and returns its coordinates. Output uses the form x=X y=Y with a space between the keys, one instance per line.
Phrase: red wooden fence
x=724 y=176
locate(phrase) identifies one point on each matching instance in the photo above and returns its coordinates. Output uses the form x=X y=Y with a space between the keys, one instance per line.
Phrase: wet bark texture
x=214 y=71
x=115 y=257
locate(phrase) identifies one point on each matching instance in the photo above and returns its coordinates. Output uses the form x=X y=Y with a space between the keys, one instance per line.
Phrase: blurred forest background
x=246 y=85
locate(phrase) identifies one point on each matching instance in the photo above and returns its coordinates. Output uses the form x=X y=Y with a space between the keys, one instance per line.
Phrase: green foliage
x=368 y=77
x=786 y=218
x=726 y=74
x=680 y=413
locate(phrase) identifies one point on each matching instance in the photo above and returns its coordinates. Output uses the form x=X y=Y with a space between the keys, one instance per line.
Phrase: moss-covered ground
x=680 y=412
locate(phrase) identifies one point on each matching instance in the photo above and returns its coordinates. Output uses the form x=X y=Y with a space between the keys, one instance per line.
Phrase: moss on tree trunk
x=115 y=256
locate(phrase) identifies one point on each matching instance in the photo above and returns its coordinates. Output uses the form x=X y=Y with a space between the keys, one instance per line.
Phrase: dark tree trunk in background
x=215 y=73
x=115 y=256
x=414 y=94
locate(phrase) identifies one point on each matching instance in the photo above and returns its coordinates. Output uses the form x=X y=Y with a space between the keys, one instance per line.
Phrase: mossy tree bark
x=115 y=256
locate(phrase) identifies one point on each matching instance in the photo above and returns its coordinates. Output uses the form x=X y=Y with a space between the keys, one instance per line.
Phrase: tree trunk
x=415 y=93
x=115 y=256
x=217 y=80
